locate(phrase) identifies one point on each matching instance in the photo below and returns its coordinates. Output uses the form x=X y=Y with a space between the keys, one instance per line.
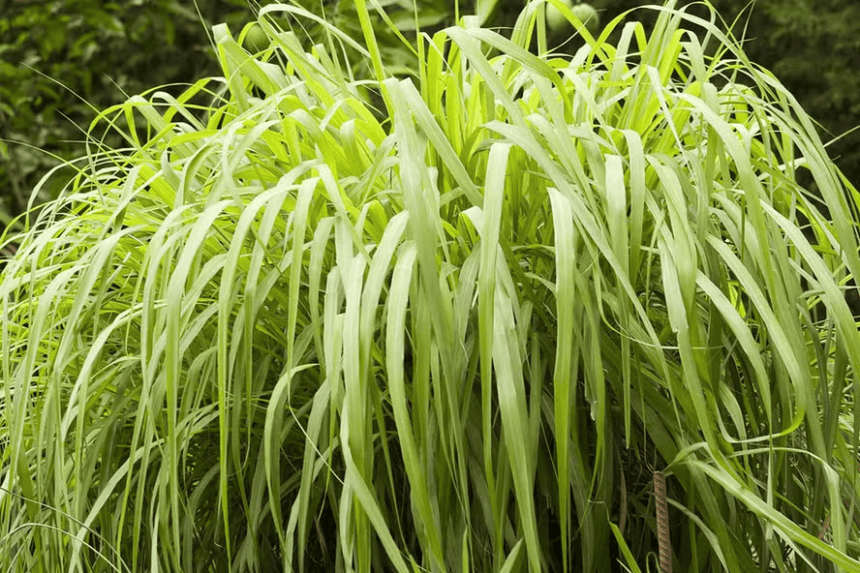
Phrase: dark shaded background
x=97 y=53
x=102 y=51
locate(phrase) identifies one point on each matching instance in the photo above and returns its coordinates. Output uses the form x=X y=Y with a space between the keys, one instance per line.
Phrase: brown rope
x=824 y=528
x=663 y=523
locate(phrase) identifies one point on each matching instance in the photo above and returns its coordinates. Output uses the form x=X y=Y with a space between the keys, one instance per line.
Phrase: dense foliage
x=813 y=47
x=52 y=53
x=61 y=62
x=511 y=313
x=810 y=45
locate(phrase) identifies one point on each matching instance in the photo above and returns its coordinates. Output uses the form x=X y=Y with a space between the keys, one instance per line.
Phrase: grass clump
x=277 y=333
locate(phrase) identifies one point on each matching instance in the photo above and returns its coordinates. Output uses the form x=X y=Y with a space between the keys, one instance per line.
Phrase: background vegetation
x=59 y=58
x=62 y=61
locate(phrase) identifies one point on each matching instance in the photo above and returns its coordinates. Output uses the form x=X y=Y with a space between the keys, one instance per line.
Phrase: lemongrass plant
x=277 y=334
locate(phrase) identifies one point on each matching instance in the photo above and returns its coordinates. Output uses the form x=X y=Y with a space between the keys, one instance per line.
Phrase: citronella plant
x=277 y=334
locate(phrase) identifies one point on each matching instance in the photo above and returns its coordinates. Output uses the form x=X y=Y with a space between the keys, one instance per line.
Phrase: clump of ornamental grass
x=275 y=333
